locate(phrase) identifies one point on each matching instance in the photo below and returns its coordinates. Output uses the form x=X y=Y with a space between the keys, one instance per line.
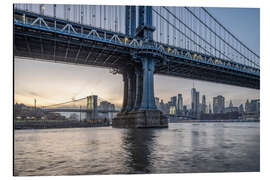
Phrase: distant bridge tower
x=92 y=107
x=139 y=108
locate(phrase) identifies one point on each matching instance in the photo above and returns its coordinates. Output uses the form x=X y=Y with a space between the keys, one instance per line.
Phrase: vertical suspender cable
x=157 y=27
x=174 y=22
x=100 y=16
x=161 y=25
x=104 y=16
x=179 y=38
x=120 y=18
x=116 y=19
x=168 y=18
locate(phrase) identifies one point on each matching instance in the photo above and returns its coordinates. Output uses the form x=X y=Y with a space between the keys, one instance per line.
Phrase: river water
x=182 y=148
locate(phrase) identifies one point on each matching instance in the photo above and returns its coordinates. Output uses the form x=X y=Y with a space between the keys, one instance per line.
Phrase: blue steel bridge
x=137 y=42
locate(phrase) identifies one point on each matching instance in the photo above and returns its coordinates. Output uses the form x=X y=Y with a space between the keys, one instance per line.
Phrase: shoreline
x=55 y=125
x=215 y=121
x=61 y=125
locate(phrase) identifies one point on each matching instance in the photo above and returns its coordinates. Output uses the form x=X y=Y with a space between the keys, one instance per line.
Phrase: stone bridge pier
x=139 y=109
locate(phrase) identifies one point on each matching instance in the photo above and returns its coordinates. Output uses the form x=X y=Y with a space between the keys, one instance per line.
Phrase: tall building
x=231 y=105
x=253 y=106
x=173 y=100
x=204 y=106
x=231 y=108
x=210 y=110
x=162 y=106
x=241 y=108
x=195 y=101
x=179 y=104
x=172 y=105
x=106 y=106
x=247 y=106
x=157 y=102
x=185 y=110
x=218 y=104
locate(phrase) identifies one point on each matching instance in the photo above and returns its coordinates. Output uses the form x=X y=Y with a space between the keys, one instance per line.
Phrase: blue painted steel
x=139 y=89
x=182 y=57
x=125 y=96
x=133 y=21
x=127 y=18
x=148 y=98
x=130 y=22
x=131 y=90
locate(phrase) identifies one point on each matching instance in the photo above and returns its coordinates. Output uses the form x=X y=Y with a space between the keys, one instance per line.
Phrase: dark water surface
x=182 y=148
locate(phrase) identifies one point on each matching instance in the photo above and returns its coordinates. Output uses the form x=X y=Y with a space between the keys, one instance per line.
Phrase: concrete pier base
x=141 y=119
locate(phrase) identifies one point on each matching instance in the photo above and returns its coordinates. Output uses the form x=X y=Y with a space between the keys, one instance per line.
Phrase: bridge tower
x=139 y=109
x=92 y=107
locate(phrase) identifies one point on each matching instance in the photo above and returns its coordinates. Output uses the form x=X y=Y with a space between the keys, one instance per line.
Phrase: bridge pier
x=139 y=109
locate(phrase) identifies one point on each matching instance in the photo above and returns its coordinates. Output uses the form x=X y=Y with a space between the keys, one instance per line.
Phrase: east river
x=182 y=148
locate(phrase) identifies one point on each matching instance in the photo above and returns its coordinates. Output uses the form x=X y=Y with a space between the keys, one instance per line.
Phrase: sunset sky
x=53 y=83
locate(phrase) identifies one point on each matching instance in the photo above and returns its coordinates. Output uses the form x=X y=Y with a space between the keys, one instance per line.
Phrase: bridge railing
x=111 y=18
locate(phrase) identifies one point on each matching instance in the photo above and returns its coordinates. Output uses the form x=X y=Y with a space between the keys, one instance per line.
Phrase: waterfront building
x=185 y=111
x=253 y=106
x=231 y=109
x=231 y=105
x=241 y=108
x=173 y=100
x=218 y=104
x=195 y=101
x=157 y=102
x=179 y=104
x=106 y=106
x=210 y=110
x=204 y=106
x=172 y=110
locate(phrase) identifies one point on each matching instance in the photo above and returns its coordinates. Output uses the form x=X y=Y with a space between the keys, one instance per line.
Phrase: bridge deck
x=64 y=42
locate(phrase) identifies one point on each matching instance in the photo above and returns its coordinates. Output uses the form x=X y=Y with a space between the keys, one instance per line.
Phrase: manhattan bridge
x=136 y=42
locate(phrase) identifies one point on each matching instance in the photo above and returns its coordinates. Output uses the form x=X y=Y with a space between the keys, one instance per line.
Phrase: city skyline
x=50 y=83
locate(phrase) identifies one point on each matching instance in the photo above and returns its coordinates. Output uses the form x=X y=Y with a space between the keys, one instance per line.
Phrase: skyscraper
x=173 y=100
x=179 y=104
x=173 y=105
x=241 y=108
x=195 y=101
x=204 y=106
x=157 y=102
x=231 y=105
x=218 y=104
x=253 y=106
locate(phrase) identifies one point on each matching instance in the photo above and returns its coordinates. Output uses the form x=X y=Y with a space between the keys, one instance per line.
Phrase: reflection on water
x=183 y=147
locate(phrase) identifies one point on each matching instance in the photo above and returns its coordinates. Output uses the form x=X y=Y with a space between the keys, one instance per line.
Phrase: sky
x=52 y=83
